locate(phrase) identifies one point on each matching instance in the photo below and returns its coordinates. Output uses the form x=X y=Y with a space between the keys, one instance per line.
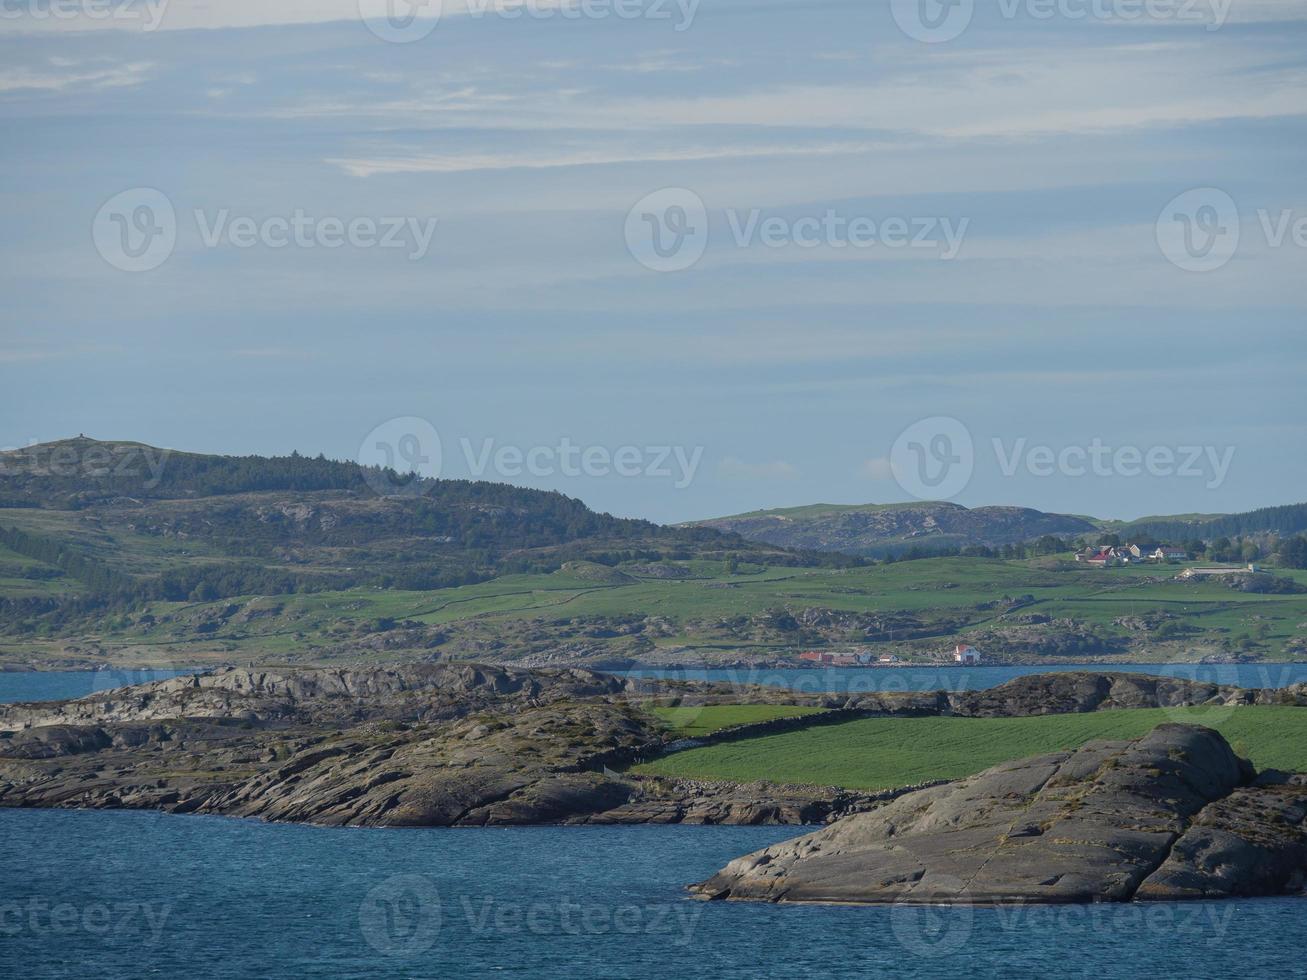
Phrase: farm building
x=1208 y=571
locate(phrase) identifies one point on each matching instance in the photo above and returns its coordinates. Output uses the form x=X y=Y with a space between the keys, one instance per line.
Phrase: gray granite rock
x=1162 y=816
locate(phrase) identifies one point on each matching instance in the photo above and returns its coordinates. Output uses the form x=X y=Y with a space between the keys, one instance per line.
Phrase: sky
x=678 y=259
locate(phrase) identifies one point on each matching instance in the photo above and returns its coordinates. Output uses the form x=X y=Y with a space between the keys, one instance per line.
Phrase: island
x=1174 y=812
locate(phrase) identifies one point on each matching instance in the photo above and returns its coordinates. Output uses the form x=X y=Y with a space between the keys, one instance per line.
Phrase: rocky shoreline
x=1174 y=815
x=432 y=745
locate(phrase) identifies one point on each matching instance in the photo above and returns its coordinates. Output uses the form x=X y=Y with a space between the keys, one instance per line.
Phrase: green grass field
x=692 y=721
x=942 y=597
x=881 y=753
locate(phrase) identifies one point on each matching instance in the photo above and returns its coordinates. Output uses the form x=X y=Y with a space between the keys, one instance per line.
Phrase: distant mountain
x=129 y=520
x=874 y=530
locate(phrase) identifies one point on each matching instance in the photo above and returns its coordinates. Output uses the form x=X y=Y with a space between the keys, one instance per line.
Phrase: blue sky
x=1056 y=142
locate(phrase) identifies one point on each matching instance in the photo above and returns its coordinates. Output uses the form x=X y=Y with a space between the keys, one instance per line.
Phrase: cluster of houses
x=963 y=653
x=1130 y=554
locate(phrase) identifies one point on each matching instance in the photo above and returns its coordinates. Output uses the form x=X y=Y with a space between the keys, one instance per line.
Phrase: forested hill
x=1287 y=520
x=880 y=530
x=74 y=473
x=137 y=522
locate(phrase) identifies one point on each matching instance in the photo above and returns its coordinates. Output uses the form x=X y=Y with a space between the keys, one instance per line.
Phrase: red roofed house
x=964 y=653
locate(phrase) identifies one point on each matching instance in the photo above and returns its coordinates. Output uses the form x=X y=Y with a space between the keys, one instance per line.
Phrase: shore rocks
x=1081 y=691
x=468 y=745
x=1165 y=816
x=427 y=745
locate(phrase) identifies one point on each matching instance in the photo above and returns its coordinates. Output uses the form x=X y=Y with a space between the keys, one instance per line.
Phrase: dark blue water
x=118 y=895
x=58 y=685
x=861 y=680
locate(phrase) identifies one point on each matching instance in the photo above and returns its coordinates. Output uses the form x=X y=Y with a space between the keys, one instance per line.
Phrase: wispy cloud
x=534 y=160
x=44 y=80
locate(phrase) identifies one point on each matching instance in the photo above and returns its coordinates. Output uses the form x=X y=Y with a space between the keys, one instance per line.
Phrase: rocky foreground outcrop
x=468 y=745
x=419 y=745
x=426 y=745
x=1172 y=815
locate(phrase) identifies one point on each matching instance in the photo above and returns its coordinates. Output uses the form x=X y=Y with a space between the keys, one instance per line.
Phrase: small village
x=1131 y=554
x=1134 y=554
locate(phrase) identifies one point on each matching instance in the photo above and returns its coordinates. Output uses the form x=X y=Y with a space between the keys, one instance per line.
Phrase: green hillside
x=877 y=530
x=221 y=559
x=1041 y=610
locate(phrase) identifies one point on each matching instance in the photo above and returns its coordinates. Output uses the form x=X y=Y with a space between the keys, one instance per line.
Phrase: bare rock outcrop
x=1164 y=816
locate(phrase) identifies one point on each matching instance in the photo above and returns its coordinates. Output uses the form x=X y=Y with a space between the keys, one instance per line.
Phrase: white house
x=966 y=654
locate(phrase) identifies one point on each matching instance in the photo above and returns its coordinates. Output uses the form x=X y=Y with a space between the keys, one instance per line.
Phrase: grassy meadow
x=941 y=598
x=881 y=753
x=689 y=722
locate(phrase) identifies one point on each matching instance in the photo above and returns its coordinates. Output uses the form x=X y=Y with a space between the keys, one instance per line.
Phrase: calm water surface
x=123 y=895
x=61 y=684
x=56 y=685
